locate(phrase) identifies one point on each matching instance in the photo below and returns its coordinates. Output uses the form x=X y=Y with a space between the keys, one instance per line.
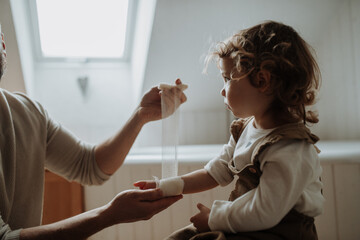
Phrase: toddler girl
x=270 y=78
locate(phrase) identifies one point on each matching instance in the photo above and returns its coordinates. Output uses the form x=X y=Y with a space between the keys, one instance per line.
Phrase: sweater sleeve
x=6 y=233
x=70 y=157
x=66 y=155
x=285 y=174
x=218 y=167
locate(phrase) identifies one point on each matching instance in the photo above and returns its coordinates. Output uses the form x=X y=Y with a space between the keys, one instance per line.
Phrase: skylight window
x=82 y=28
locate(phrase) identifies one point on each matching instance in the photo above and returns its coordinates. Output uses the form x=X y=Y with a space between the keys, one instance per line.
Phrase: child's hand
x=171 y=186
x=201 y=219
x=145 y=184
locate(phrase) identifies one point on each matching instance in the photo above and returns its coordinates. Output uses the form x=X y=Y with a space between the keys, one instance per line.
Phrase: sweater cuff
x=219 y=172
x=219 y=216
x=98 y=172
x=13 y=235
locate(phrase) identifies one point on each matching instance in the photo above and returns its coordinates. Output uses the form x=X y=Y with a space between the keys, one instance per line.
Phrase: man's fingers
x=150 y=194
x=160 y=205
x=166 y=202
x=155 y=89
x=183 y=98
x=180 y=90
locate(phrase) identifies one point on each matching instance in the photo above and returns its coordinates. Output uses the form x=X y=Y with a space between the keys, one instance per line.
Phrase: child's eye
x=226 y=79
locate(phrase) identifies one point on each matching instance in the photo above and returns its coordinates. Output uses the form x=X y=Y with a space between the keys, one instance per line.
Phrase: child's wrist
x=171 y=186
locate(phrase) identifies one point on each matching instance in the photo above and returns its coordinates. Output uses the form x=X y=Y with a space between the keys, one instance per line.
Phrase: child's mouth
x=227 y=106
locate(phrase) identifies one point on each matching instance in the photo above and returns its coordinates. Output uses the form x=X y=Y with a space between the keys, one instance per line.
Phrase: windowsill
x=331 y=152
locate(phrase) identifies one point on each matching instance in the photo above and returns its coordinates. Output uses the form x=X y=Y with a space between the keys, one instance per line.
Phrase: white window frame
x=39 y=58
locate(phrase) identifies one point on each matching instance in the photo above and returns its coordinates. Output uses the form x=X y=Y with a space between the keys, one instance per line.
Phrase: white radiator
x=341 y=178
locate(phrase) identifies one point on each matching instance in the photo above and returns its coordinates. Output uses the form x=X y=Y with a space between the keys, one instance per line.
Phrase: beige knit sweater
x=29 y=142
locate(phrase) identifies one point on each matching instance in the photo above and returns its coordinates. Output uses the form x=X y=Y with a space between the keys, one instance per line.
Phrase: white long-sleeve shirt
x=29 y=142
x=290 y=179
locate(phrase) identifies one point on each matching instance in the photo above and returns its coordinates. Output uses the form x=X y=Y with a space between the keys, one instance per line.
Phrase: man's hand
x=201 y=219
x=150 y=105
x=135 y=205
x=127 y=206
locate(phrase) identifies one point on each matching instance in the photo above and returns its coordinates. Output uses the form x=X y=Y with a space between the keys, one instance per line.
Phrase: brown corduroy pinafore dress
x=294 y=226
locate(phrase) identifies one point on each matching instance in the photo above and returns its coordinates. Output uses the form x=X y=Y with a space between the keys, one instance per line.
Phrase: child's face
x=241 y=98
x=2 y=55
x=2 y=47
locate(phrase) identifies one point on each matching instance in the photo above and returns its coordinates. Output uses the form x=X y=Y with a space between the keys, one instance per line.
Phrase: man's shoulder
x=19 y=101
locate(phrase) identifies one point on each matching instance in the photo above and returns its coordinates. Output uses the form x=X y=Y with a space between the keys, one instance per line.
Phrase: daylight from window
x=82 y=28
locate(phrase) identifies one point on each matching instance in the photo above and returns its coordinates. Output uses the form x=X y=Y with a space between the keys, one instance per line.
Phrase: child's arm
x=196 y=181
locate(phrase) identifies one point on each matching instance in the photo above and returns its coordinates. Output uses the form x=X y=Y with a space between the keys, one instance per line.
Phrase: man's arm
x=127 y=206
x=111 y=154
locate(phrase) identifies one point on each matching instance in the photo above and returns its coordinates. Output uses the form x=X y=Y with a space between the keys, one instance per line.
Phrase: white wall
x=339 y=55
x=20 y=16
x=94 y=116
x=143 y=28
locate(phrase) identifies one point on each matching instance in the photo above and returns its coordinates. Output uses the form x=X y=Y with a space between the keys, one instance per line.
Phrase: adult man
x=31 y=141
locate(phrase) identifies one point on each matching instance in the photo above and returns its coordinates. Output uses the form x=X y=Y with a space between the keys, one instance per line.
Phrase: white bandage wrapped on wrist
x=170 y=186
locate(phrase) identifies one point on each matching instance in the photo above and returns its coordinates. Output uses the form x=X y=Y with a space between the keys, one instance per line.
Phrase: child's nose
x=222 y=92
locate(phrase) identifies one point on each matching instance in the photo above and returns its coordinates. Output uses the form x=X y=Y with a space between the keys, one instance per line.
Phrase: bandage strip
x=170 y=183
x=170 y=135
x=169 y=144
x=171 y=186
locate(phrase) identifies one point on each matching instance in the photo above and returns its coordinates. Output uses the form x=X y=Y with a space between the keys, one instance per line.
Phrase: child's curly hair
x=278 y=48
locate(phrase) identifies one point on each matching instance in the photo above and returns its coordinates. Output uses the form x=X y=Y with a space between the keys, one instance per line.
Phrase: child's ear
x=263 y=78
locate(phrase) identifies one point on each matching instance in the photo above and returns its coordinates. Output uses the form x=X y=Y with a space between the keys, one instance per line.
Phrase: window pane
x=82 y=28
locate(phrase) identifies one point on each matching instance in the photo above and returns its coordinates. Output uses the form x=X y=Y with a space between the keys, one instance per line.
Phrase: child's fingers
x=201 y=207
x=145 y=184
x=140 y=184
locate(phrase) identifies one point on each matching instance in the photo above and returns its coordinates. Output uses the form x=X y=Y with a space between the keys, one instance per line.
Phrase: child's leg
x=294 y=226
x=183 y=233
